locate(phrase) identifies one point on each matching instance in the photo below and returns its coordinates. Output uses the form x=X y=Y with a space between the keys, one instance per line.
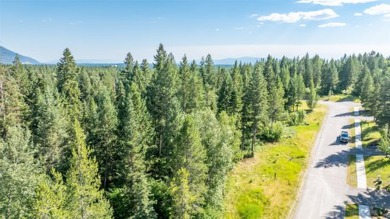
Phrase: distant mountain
x=230 y=61
x=7 y=56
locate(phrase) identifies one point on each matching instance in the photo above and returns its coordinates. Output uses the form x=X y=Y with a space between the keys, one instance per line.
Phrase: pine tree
x=183 y=199
x=135 y=138
x=312 y=101
x=13 y=109
x=317 y=71
x=83 y=181
x=276 y=101
x=189 y=153
x=225 y=95
x=50 y=129
x=207 y=73
x=296 y=91
x=367 y=88
x=184 y=91
x=51 y=198
x=256 y=102
x=162 y=102
x=67 y=83
x=104 y=141
x=383 y=109
x=237 y=93
x=129 y=65
x=18 y=72
x=196 y=89
x=19 y=174
x=331 y=78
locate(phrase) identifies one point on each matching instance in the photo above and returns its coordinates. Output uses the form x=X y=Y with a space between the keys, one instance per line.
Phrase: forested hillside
x=141 y=142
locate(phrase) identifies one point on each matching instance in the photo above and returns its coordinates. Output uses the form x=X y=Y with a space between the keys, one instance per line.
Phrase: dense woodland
x=155 y=140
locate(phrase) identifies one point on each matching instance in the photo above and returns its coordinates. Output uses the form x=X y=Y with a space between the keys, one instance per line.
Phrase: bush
x=272 y=133
x=297 y=118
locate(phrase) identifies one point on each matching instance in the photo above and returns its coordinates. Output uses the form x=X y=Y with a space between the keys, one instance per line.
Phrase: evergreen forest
x=157 y=139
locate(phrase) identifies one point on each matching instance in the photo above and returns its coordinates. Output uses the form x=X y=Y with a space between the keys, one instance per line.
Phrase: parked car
x=344 y=137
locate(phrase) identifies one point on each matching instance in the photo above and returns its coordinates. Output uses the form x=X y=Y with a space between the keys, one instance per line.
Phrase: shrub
x=272 y=133
x=297 y=118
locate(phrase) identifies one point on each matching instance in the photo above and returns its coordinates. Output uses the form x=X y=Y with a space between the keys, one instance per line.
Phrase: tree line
x=154 y=141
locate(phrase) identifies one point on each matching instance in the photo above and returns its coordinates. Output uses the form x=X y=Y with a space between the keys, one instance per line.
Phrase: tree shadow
x=340 y=159
x=378 y=164
x=349 y=126
x=348 y=98
x=337 y=212
x=345 y=114
x=372 y=198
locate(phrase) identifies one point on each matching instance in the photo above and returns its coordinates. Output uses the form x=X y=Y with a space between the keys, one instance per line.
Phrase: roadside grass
x=341 y=98
x=377 y=166
x=370 y=133
x=351 y=211
x=351 y=171
x=266 y=186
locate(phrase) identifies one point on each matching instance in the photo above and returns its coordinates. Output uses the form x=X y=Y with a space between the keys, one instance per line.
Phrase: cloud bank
x=294 y=17
x=334 y=2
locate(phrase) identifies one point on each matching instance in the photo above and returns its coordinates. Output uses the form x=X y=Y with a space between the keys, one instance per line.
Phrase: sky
x=106 y=30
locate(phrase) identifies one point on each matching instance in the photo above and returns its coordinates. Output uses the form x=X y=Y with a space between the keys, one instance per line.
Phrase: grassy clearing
x=341 y=98
x=351 y=171
x=370 y=133
x=265 y=186
x=351 y=211
x=377 y=166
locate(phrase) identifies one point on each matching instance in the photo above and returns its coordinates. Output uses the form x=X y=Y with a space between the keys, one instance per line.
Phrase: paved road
x=325 y=188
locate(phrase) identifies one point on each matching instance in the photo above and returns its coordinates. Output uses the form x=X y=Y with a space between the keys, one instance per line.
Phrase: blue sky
x=106 y=30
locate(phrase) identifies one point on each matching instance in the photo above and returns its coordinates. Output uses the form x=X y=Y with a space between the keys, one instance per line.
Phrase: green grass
x=266 y=186
x=370 y=133
x=351 y=171
x=377 y=166
x=341 y=98
x=351 y=211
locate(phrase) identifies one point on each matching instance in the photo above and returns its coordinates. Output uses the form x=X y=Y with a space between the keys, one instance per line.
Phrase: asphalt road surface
x=325 y=187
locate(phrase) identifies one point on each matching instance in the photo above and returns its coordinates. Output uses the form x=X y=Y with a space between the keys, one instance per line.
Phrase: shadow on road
x=338 y=159
x=336 y=213
x=349 y=126
x=344 y=114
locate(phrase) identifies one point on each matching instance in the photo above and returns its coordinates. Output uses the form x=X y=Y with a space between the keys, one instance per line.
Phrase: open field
x=370 y=133
x=266 y=185
x=377 y=166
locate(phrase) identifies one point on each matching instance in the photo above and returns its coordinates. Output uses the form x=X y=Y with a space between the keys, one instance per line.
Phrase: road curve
x=325 y=188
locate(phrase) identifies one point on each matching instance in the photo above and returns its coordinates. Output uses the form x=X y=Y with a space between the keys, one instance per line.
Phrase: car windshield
x=344 y=135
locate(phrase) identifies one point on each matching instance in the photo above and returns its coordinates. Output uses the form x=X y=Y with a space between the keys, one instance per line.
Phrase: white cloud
x=382 y=9
x=358 y=14
x=332 y=25
x=254 y=15
x=293 y=17
x=302 y=25
x=335 y=2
